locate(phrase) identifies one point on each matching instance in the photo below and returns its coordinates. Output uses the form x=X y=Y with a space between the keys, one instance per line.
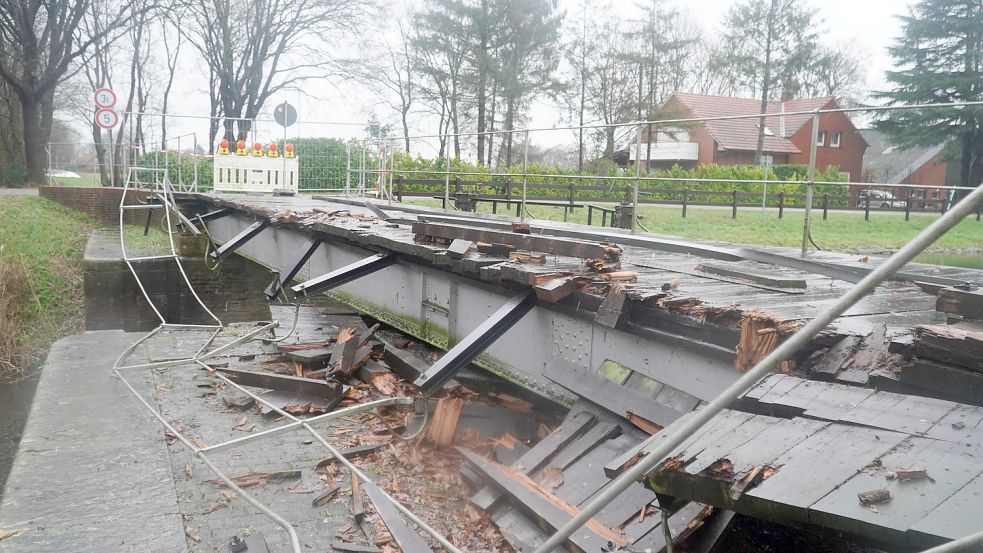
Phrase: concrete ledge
x=92 y=472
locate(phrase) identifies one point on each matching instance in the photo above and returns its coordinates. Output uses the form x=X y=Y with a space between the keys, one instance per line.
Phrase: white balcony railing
x=667 y=151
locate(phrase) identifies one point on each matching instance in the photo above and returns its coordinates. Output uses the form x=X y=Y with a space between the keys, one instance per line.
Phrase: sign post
x=766 y=161
x=108 y=119
x=285 y=115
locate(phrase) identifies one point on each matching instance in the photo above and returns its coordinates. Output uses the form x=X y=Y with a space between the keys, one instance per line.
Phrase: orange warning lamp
x=271 y=150
x=257 y=150
x=223 y=147
x=288 y=150
x=241 y=148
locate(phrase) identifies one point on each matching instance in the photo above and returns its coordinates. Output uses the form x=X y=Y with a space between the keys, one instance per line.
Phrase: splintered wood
x=759 y=337
x=444 y=422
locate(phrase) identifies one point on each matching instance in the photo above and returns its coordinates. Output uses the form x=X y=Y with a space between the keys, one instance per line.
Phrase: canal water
x=968 y=260
x=15 y=402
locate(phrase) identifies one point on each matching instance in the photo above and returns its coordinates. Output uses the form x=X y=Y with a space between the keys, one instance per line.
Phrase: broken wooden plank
x=758 y=277
x=614 y=397
x=531 y=242
x=444 y=421
x=833 y=360
x=381 y=378
x=549 y=509
x=960 y=345
x=570 y=429
x=497 y=250
x=288 y=390
x=962 y=302
x=614 y=310
x=459 y=248
x=407 y=539
x=955 y=382
x=528 y=258
x=405 y=363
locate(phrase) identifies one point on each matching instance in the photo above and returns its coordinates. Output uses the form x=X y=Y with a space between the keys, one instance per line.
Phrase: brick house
x=732 y=142
x=887 y=164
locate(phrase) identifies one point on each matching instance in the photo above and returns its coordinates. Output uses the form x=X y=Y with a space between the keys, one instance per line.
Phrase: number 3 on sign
x=104 y=97
x=107 y=118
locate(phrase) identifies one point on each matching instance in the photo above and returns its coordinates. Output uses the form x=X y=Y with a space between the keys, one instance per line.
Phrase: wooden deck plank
x=819 y=464
x=950 y=466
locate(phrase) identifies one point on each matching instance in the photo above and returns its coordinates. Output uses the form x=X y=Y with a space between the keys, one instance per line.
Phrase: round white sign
x=107 y=118
x=104 y=97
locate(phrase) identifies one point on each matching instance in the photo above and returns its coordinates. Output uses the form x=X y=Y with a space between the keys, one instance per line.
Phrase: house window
x=834 y=141
x=821 y=139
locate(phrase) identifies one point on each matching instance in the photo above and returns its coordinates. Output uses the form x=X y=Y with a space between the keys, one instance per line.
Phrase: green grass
x=43 y=242
x=843 y=231
x=137 y=244
x=85 y=179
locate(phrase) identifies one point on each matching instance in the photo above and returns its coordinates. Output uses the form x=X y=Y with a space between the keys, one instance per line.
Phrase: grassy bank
x=41 y=247
x=843 y=231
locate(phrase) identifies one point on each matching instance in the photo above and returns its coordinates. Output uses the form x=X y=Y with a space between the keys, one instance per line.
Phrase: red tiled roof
x=742 y=134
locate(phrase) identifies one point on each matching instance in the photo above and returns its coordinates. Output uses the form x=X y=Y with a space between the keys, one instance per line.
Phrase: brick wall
x=102 y=203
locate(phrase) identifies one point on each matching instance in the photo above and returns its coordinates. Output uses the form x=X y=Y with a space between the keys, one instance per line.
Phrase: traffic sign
x=285 y=114
x=107 y=118
x=104 y=97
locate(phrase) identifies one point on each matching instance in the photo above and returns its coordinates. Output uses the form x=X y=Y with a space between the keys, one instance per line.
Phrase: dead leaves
x=259 y=478
x=325 y=497
x=4 y=534
x=552 y=479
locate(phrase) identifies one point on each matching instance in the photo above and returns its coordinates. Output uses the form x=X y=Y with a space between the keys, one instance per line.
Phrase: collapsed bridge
x=631 y=335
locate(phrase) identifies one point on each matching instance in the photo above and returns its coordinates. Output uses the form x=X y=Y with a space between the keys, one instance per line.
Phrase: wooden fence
x=572 y=194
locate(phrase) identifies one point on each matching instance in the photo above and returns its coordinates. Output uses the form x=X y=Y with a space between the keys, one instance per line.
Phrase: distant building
x=925 y=165
x=731 y=142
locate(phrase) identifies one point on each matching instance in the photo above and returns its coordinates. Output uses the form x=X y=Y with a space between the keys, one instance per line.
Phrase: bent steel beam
x=238 y=240
x=291 y=269
x=476 y=342
x=345 y=274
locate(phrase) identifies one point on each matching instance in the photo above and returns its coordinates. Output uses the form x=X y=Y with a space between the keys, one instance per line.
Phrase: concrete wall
x=234 y=291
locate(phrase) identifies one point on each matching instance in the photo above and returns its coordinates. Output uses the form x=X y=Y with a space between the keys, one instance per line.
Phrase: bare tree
x=172 y=40
x=395 y=71
x=255 y=48
x=44 y=43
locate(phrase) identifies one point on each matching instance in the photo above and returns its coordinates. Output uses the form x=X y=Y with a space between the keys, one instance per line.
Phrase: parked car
x=879 y=199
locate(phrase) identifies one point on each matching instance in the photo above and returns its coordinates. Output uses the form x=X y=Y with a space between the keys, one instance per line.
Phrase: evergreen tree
x=939 y=59
x=769 y=47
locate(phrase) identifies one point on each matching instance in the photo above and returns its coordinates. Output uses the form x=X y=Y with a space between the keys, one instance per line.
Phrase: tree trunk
x=34 y=153
x=766 y=83
x=100 y=154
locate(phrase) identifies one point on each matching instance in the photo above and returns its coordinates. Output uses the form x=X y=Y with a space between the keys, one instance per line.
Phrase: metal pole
x=786 y=350
x=525 y=176
x=967 y=543
x=194 y=158
x=112 y=154
x=638 y=176
x=392 y=169
x=348 y=169
x=764 y=192
x=447 y=174
x=283 y=152
x=807 y=229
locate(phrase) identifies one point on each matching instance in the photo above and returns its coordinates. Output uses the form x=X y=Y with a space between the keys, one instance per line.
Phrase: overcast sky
x=870 y=25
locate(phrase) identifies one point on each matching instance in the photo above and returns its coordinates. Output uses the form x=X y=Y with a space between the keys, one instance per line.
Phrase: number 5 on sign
x=107 y=118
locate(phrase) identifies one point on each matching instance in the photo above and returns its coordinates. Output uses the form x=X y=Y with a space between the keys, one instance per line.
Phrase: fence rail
x=466 y=193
